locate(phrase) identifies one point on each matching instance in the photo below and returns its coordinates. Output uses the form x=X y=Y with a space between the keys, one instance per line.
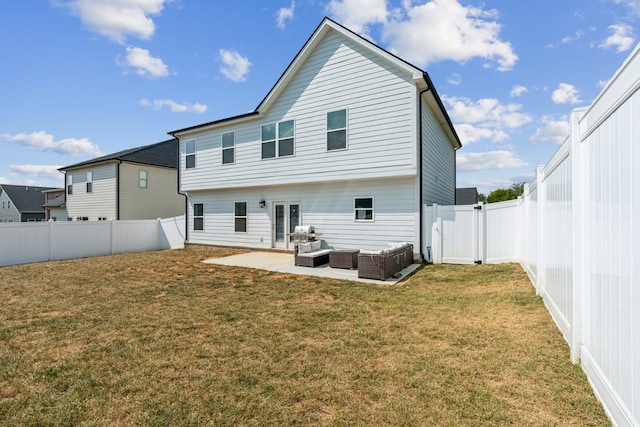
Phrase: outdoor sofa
x=385 y=263
x=311 y=254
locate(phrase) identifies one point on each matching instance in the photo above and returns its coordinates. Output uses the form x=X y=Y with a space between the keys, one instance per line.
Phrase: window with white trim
x=240 y=217
x=363 y=208
x=69 y=184
x=142 y=179
x=190 y=154
x=89 y=182
x=278 y=139
x=198 y=216
x=337 y=130
x=228 y=148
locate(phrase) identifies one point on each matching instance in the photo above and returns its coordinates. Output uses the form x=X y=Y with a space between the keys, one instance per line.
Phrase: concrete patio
x=283 y=263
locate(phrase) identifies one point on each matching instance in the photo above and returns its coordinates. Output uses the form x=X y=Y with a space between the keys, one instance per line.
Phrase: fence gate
x=458 y=234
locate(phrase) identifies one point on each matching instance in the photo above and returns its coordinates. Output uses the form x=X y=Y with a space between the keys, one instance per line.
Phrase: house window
x=142 y=179
x=198 y=216
x=190 y=154
x=89 y=182
x=363 y=208
x=69 y=184
x=337 y=130
x=228 y=147
x=240 y=217
x=278 y=139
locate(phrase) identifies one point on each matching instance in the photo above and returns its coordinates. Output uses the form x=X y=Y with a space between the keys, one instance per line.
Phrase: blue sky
x=81 y=78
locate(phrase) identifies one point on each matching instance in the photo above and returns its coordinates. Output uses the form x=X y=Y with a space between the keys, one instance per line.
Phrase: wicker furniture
x=384 y=263
x=311 y=254
x=344 y=259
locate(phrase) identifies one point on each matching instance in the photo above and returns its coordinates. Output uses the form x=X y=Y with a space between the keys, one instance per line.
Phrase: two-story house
x=54 y=205
x=21 y=203
x=138 y=183
x=351 y=140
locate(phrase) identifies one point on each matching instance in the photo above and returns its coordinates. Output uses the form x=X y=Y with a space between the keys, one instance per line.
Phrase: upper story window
x=69 y=184
x=198 y=216
x=228 y=147
x=278 y=139
x=363 y=208
x=89 y=182
x=142 y=179
x=240 y=217
x=190 y=154
x=337 y=130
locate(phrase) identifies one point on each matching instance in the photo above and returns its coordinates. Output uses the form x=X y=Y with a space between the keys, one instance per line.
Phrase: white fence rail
x=576 y=234
x=22 y=243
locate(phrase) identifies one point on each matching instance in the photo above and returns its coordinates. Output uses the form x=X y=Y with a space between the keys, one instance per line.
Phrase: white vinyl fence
x=26 y=242
x=576 y=232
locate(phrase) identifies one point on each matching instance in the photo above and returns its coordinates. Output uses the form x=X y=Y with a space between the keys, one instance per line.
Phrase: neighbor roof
x=421 y=78
x=466 y=196
x=163 y=153
x=25 y=198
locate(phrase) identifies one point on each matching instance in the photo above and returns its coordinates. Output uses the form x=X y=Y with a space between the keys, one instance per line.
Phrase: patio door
x=286 y=216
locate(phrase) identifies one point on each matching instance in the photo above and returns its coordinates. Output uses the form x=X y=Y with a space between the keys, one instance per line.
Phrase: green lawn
x=161 y=339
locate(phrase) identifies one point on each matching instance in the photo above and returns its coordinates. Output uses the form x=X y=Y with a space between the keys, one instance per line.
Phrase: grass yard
x=161 y=339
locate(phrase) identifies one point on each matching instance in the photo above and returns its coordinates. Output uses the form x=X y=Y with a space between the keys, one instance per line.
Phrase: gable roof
x=466 y=196
x=163 y=154
x=24 y=197
x=420 y=77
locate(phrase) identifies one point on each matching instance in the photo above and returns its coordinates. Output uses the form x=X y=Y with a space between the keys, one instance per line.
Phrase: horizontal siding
x=327 y=206
x=99 y=203
x=438 y=162
x=159 y=200
x=338 y=74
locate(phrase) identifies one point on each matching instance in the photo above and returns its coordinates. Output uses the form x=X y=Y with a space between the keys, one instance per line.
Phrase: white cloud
x=565 y=94
x=47 y=171
x=442 y=30
x=486 y=111
x=117 y=19
x=357 y=15
x=235 y=66
x=552 y=131
x=455 y=79
x=622 y=38
x=518 y=90
x=185 y=107
x=45 y=142
x=284 y=14
x=489 y=160
x=469 y=134
x=145 y=64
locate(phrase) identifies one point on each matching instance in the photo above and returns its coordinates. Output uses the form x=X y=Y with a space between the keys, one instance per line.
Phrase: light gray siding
x=438 y=163
x=329 y=207
x=8 y=212
x=160 y=199
x=101 y=202
x=380 y=99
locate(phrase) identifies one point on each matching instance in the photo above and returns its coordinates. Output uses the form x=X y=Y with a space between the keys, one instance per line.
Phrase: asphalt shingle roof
x=163 y=153
x=25 y=198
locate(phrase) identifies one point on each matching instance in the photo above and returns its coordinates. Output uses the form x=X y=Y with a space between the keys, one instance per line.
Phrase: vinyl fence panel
x=22 y=243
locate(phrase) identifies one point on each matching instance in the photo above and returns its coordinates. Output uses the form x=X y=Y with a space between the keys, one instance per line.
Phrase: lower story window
x=240 y=217
x=363 y=208
x=198 y=216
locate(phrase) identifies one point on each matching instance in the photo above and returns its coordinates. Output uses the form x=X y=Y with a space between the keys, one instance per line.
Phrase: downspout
x=185 y=195
x=118 y=190
x=420 y=163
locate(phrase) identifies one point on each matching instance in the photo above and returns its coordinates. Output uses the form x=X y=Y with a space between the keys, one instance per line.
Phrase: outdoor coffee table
x=347 y=258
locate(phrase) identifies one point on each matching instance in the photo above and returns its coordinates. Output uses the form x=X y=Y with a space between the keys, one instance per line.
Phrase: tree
x=504 y=194
x=482 y=198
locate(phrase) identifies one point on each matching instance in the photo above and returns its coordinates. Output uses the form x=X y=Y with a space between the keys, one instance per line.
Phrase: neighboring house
x=21 y=203
x=351 y=140
x=139 y=183
x=466 y=196
x=54 y=205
